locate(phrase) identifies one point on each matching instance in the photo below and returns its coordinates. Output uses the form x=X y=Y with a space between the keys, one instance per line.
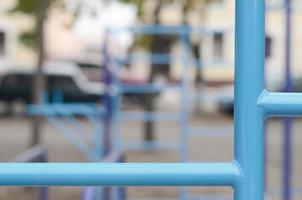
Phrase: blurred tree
x=35 y=38
x=39 y=9
x=200 y=6
x=162 y=44
x=155 y=44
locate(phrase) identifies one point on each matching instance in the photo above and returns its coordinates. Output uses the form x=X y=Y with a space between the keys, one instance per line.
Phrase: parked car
x=16 y=84
x=94 y=73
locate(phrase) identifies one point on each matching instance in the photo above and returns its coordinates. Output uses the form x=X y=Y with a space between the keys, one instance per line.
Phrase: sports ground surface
x=15 y=132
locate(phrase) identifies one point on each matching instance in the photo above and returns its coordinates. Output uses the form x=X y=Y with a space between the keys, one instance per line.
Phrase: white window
x=218 y=46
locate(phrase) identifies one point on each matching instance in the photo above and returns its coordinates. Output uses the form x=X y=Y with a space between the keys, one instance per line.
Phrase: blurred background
x=138 y=81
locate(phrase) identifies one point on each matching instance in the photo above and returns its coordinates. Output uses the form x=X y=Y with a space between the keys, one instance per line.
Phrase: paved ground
x=15 y=132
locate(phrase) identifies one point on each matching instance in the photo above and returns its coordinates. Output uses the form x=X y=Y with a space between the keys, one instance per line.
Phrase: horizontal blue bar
x=64 y=109
x=150 y=116
x=155 y=58
x=147 y=88
x=167 y=30
x=280 y=104
x=119 y=174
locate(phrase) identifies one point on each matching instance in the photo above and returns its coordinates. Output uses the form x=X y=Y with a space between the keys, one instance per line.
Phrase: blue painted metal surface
x=62 y=117
x=35 y=154
x=119 y=174
x=245 y=174
x=120 y=88
x=183 y=86
x=249 y=84
x=287 y=123
x=281 y=104
x=146 y=88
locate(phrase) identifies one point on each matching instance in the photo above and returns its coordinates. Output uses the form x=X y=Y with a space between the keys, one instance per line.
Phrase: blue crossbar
x=65 y=109
x=119 y=174
x=146 y=88
x=281 y=104
x=164 y=30
x=252 y=105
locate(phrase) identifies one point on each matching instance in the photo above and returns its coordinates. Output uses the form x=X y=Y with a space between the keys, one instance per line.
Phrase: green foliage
x=27 y=38
x=30 y=7
x=26 y=6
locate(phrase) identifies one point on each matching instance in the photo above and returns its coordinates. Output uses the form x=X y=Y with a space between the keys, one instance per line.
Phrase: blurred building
x=12 y=51
x=65 y=38
x=218 y=44
x=84 y=41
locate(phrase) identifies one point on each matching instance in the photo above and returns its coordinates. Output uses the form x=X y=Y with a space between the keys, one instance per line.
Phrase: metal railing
x=252 y=105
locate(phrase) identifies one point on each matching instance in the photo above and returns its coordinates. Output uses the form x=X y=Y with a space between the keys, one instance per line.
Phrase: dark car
x=62 y=81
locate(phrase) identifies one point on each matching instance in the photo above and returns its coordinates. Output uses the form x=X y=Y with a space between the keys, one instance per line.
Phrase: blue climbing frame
x=120 y=116
x=252 y=105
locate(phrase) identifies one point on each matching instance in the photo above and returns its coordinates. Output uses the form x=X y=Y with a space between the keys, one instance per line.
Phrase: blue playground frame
x=120 y=88
x=63 y=117
x=182 y=115
x=245 y=174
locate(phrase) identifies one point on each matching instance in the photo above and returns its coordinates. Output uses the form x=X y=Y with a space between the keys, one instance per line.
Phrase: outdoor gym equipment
x=63 y=118
x=185 y=59
x=182 y=115
x=34 y=154
x=245 y=174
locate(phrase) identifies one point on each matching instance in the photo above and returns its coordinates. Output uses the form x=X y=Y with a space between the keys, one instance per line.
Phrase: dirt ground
x=15 y=134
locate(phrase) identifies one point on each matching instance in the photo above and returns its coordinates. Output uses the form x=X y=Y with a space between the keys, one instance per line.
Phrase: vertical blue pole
x=43 y=193
x=108 y=110
x=107 y=102
x=249 y=83
x=112 y=103
x=287 y=122
x=184 y=95
x=184 y=36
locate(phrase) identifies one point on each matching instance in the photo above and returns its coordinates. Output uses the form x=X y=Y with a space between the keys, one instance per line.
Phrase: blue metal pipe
x=249 y=83
x=287 y=159
x=64 y=109
x=287 y=123
x=280 y=104
x=157 y=30
x=165 y=30
x=146 y=88
x=155 y=58
x=106 y=174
